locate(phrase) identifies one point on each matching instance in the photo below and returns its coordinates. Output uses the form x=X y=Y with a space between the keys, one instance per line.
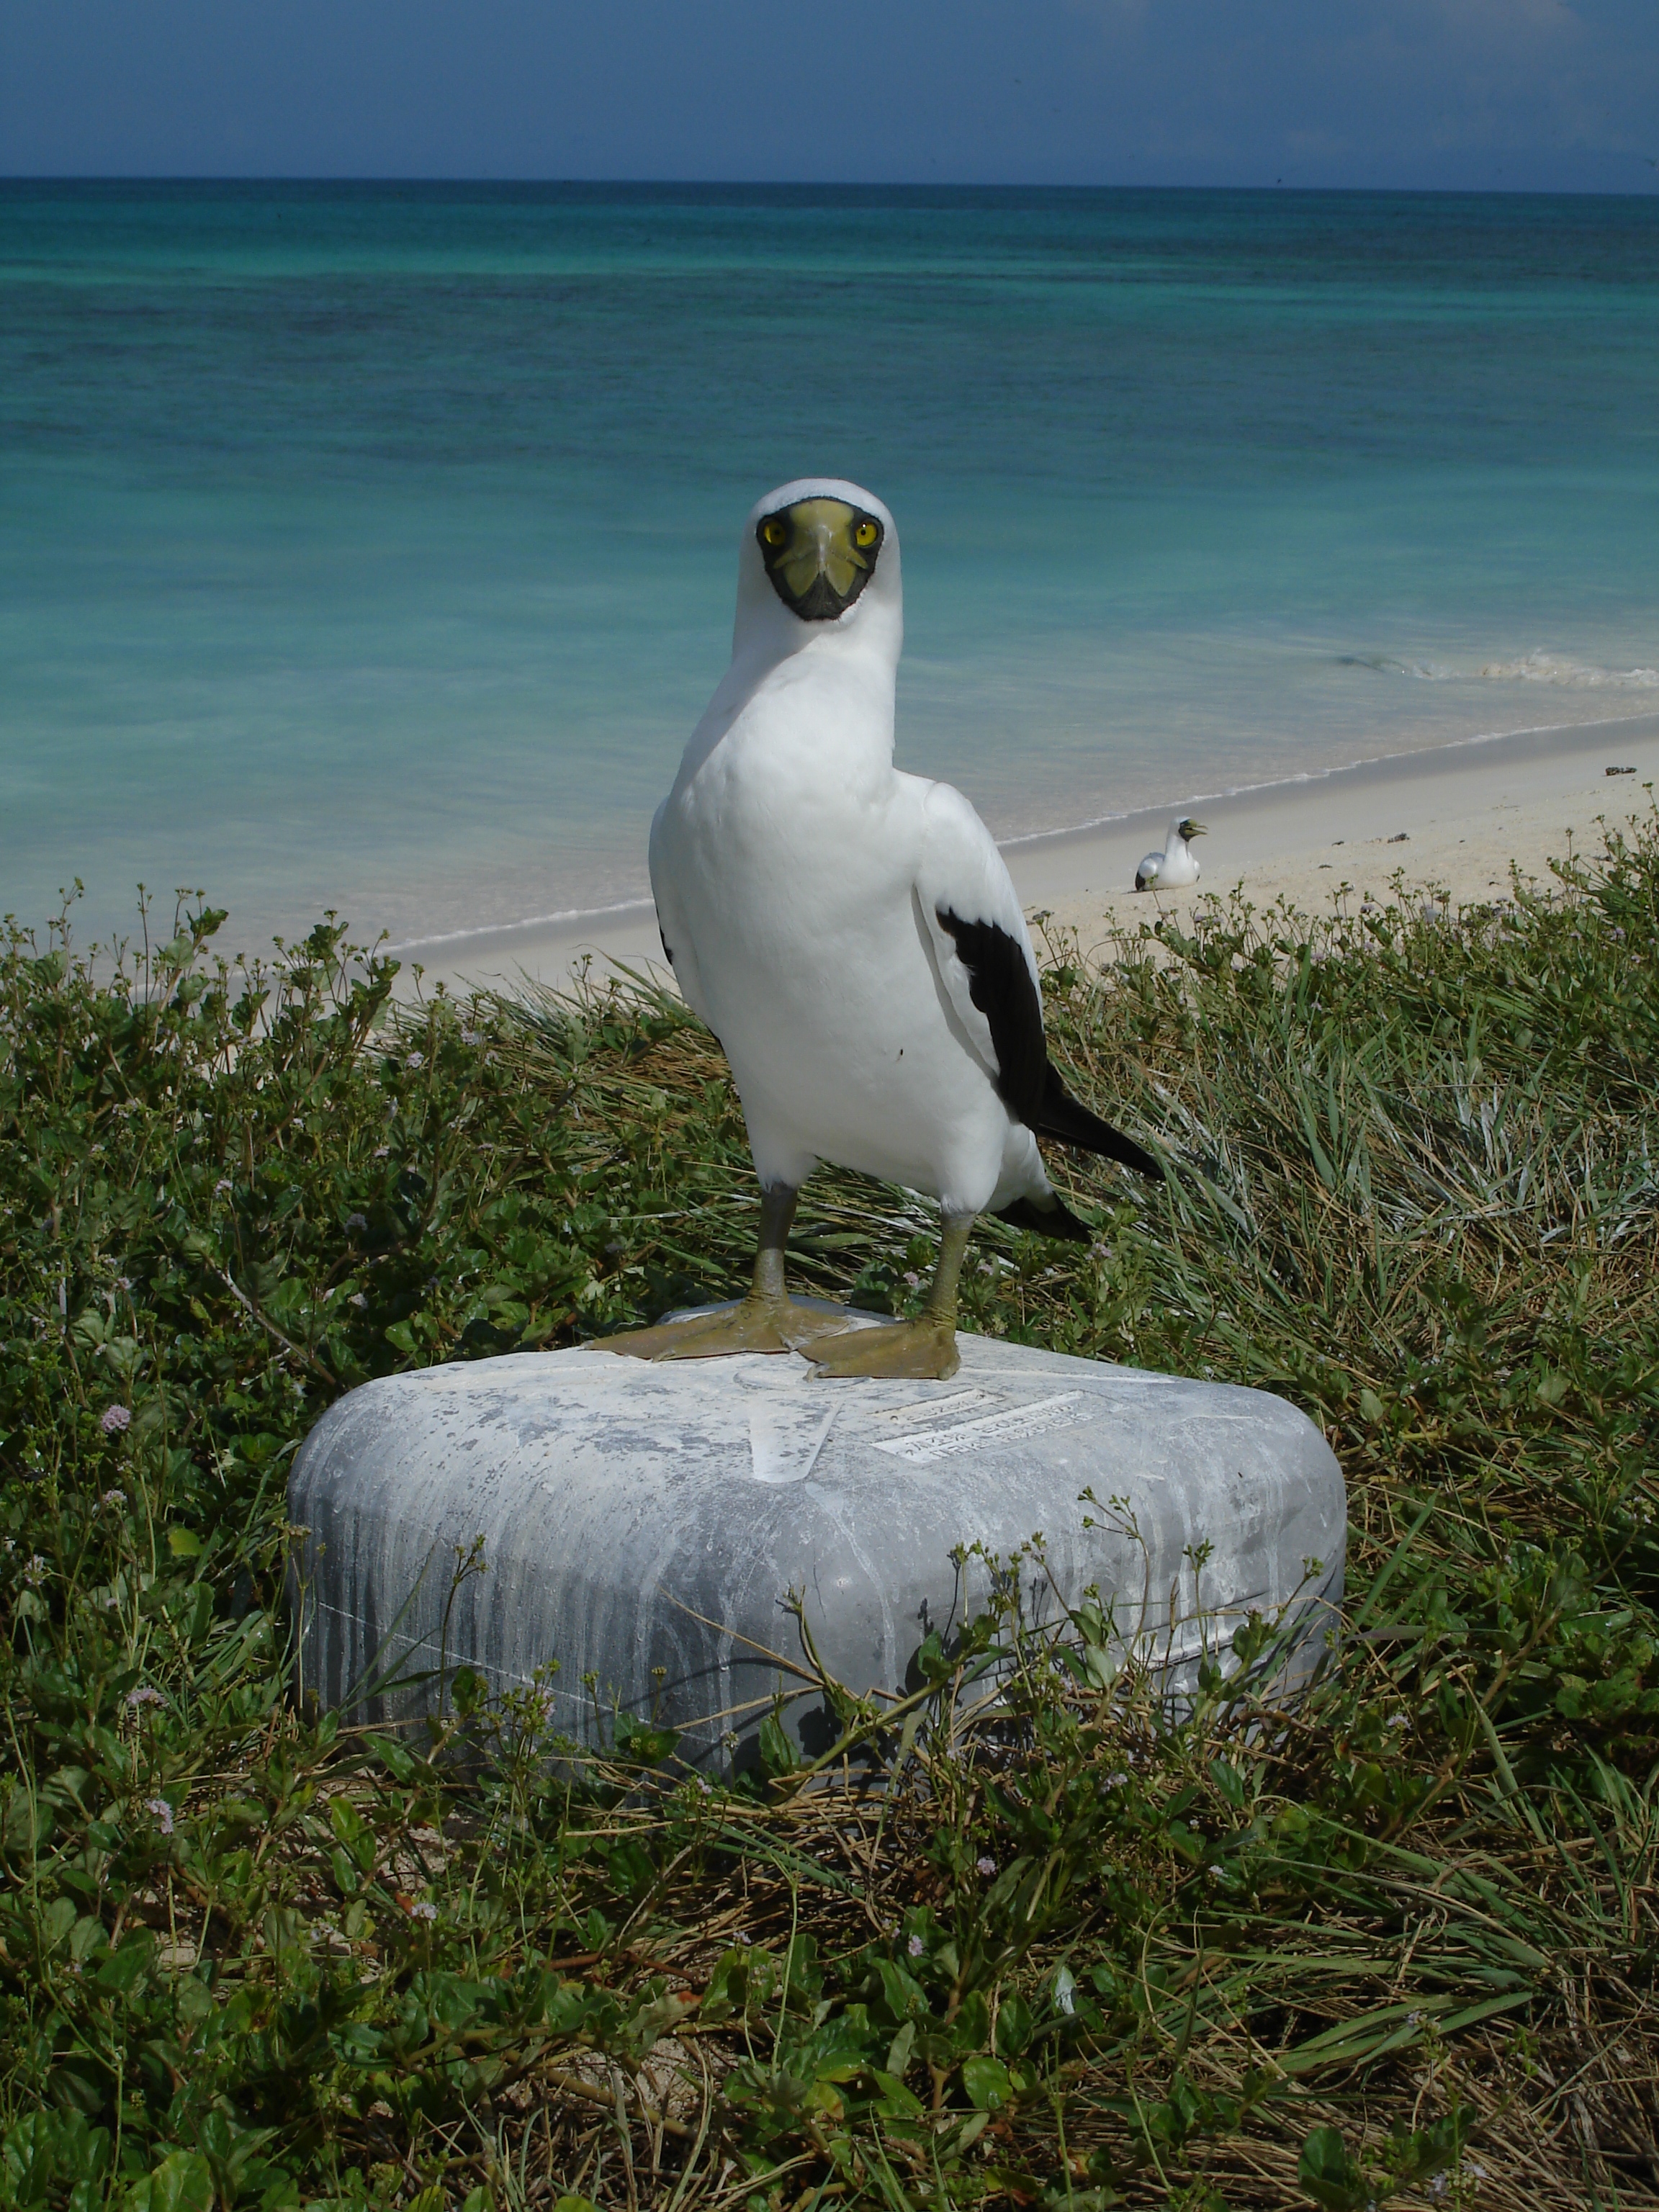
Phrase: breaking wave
x=1553 y=668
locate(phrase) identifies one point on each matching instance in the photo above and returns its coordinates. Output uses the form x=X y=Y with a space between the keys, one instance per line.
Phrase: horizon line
x=866 y=185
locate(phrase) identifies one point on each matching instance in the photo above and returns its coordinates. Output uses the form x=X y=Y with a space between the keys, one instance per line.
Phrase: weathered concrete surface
x=645 y=1525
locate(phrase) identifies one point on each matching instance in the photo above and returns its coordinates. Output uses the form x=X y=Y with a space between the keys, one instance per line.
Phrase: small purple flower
x=116 y=1420
x=356 y=1221
x=145 y=1695
x=422 y=1908
x=163 y=1811
x=123 y=1282
x=985 y=1865
x=223 y=1184
x=35 y=1573
x=112 y=1498
x=416 y=1060
x=915 y=1947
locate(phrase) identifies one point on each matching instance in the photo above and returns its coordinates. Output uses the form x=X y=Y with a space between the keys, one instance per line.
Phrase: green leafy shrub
x=1065 y=1948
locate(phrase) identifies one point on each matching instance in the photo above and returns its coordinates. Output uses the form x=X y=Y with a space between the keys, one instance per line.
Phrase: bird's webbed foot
x=922 y=1351
x=754 y=1324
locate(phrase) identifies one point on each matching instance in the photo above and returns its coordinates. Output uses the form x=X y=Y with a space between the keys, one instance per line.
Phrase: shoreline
x=1455 y=816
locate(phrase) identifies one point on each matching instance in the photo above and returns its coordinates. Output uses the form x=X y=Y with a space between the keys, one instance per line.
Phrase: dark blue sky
x=1513 y=94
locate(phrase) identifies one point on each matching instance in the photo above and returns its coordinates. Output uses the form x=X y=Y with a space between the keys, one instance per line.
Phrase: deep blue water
x=372 y=547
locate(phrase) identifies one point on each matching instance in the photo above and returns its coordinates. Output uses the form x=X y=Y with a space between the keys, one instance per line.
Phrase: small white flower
x=915 y=1947
x=985 y=1865
x=116 y=1420
x=163 y=1811
x=913 y=1280
x=145 y=1695
x=416 y=1060
x=223 y=1184
x=123 y=1282
x=113 y=1497
x=381 y=1152
x=705 y=1785
x=356 y=1221
x=743 y=1938
x=357 y=1299
x=471 y=1036
x=36 y=1573
x=422 y=1908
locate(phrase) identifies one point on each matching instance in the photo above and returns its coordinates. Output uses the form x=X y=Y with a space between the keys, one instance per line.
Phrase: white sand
x=1466 y=813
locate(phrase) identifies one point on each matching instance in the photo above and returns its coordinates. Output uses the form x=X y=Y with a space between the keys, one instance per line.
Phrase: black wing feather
x=1063 y=1117
x=1056 y=1220
x=1028 y=1083
x=999 y=984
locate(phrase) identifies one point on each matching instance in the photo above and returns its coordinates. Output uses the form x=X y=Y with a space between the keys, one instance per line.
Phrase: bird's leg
x=768 y=1319
x=924 y=1349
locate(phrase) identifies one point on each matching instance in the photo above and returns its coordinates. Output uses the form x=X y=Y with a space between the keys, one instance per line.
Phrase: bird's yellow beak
x=1191 y=829
x=820 y=554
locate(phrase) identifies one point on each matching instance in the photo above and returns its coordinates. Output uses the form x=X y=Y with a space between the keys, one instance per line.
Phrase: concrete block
x=644 y=1526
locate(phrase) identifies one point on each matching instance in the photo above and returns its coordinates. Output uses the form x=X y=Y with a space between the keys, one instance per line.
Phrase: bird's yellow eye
x=866 y=535
x=774 y=531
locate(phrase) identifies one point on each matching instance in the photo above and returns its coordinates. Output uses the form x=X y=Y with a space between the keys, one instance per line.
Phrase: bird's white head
x=818 y=565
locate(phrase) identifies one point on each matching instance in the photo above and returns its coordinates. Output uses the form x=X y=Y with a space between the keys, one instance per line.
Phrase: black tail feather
x=1061 y=1116
x=1056 y=1220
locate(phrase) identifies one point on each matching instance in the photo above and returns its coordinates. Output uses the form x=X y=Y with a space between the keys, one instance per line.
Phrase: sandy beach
x=1455 y=819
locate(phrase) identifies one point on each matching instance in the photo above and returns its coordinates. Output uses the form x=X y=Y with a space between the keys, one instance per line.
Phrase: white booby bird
x=851 y=935
x=1177 y=864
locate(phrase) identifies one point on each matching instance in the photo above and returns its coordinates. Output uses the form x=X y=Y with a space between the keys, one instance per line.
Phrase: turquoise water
x=372 y=547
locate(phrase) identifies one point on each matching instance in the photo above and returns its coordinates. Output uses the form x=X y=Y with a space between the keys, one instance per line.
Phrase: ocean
x=371 y=548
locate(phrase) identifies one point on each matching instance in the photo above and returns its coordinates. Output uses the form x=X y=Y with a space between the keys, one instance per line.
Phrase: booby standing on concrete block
x=852 y=936
x=1176 y=865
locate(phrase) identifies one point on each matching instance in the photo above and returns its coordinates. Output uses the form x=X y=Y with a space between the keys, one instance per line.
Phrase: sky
x=1506 y=94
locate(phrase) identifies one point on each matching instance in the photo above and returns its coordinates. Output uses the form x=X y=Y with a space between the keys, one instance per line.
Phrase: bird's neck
x=814 y=717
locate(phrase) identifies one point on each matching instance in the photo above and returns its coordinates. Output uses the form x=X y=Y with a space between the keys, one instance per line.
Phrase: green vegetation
x=1396 y=1947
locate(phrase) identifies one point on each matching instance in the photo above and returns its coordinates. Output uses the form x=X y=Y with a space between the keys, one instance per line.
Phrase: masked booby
x=1176 y=865
x=851 y=935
